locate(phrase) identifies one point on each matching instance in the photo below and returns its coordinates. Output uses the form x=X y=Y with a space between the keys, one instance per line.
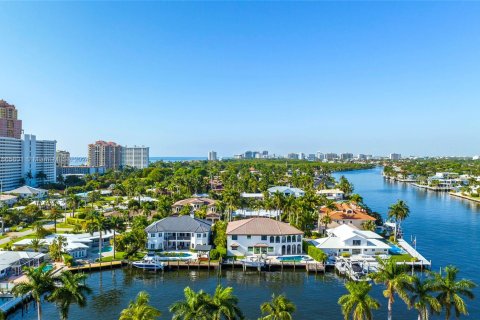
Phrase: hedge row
x=314 y=252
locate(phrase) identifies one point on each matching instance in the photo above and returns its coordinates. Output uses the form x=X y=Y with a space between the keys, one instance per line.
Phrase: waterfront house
x=197 y=203
x=286 y=191
x=346 y=239
x=12 y=262
x=332 y=194
x=7 y=200
x=262 y=236
x=178 y=233
x=345 y=213
x=79 y=246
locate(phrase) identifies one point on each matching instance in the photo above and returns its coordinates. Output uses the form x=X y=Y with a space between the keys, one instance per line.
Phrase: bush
x=316 y=254
x=214 y=254
x=75 y=221
x=67 y=259
x=81 y=215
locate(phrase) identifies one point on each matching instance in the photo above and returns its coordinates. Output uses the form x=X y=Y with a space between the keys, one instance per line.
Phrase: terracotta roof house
x=197 y=203
x=345 y=213
x=262 y=236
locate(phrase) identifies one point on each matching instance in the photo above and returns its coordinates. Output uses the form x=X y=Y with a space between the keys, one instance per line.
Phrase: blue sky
x=187 y=77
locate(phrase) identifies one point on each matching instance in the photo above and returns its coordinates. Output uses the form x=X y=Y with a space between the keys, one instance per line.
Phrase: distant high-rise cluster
x=10 y=126
x=23 y=161
x=111 y=155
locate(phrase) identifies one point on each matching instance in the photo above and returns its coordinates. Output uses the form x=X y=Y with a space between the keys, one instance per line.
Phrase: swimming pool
x=396 y=250
x=107 y=249
x=293 y=258
x=48 y=267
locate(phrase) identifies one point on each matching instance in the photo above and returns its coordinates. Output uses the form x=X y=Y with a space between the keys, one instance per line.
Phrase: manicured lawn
x=65 y=225
x=121 y=255
x=402 y=258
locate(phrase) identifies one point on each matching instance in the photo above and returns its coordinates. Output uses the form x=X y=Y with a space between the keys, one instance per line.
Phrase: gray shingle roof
x=179 y=224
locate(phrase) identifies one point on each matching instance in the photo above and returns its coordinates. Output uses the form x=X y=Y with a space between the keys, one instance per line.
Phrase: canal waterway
x=447 y=231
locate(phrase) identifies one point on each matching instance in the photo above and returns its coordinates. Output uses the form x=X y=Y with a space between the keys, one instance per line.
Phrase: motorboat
x=150 y=262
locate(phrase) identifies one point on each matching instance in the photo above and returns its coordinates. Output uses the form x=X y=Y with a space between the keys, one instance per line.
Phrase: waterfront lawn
x=402 y=257
x=120 y=255
x=64 y=225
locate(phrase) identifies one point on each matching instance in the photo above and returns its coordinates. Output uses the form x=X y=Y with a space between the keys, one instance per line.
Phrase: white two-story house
x=178 y=233
x=262 y=236
x=346 y=239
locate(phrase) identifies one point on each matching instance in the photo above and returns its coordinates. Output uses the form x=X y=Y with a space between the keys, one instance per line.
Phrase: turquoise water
x=396 y=250
x=447 y=231
x=107 y=249
x=291 y=258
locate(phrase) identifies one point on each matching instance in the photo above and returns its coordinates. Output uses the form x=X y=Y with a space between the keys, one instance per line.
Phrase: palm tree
x=117 y=224
x=39 y=282
x=279 y=308
x=36 y=244
x=398 y=212
x=325 y=220
x=71 y=289
x=73 y=201
x=451 y=291
x=140 y=309
x=395 y=279
x=55 y=214
x=99 y=223
x=196 y=306
x=358 y=303
x=422 y=299
x=225 y=304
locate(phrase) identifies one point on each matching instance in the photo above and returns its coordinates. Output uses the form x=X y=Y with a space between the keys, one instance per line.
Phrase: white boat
x=150 y=262
x=255 y=262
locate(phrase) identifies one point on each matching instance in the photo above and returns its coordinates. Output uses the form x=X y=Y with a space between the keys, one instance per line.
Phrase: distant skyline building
x=11 y=169
x=63 y=158
x=105 y=154
x=38 y=160
x=331 y=156
x=395 y=156
x=10 y=125
x=79 y=170
x=292 y=156
x=346 y=156
x=212 y=156
x=135 y=157
x=320 y=156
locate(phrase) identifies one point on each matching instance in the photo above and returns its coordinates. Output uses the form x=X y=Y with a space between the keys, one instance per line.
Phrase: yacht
x=150 y=262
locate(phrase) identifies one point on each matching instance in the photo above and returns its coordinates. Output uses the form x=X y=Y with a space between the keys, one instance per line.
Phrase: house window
x=284 y=239
x=152 y=235
x=277 y=239
x=272 y=239
x=152 y=246
x=249 y=237
x=299 y=238
x=160 y=235
x=250 y=249
x=199 y=235
x=234 y=237
x=264 y=238
x=270 y=249
x=357 y=242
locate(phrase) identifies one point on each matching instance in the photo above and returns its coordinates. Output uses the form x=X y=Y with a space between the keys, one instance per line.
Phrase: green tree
x=55 y=214
x=451 y=291
x=98 y=222
x=71 y=289
x=395 y=279
x=225 y=304
x=421 y=297
x=358 y=303
x=196 y=306
x=369 y=225
x=398 y=211
x=117 y=224
x=39 y=282
x=140 y=309
x=73 y=201
x=345 y=186
x=279 y=308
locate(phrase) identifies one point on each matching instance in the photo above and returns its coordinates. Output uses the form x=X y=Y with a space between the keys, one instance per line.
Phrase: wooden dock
x=421 y=260
x=97 y=266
